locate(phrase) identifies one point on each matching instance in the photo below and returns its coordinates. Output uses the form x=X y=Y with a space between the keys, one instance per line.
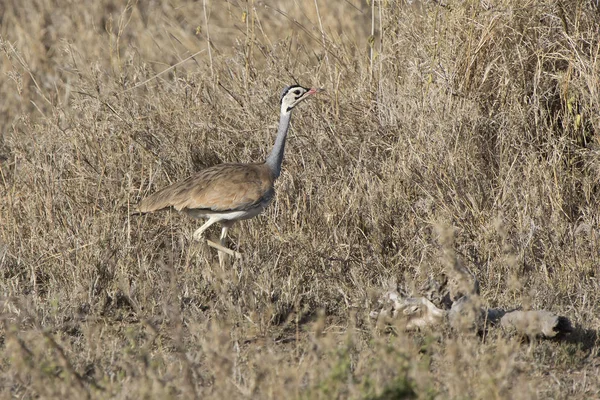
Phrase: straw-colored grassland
x=450 y=132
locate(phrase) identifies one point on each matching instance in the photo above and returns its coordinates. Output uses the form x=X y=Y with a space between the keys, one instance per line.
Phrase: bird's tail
x=136 y=211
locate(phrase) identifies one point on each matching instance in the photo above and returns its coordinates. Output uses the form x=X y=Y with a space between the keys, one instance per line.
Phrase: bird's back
x=223 y=187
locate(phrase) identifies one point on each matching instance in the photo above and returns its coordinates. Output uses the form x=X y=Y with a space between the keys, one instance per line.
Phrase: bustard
x=227 y=193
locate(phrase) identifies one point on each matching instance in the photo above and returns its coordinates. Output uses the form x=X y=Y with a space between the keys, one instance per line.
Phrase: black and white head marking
x=291 y=96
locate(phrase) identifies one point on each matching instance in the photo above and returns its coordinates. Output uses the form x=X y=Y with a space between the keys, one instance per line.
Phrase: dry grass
x=455 y=131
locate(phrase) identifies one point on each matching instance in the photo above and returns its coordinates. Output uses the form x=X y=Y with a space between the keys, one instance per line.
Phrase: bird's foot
x=198 y=235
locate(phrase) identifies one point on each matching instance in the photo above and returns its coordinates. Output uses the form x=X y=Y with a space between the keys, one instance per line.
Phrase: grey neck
x=276 y=157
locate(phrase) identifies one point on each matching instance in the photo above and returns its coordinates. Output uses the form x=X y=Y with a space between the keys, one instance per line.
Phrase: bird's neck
x=276 y=157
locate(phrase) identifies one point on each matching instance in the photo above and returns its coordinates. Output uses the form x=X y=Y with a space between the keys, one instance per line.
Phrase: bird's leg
x=223 y=235
x=221 y=248
x=225 y=227
x=200 y=231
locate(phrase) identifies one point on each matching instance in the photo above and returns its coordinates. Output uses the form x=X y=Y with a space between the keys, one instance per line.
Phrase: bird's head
x=293 y=95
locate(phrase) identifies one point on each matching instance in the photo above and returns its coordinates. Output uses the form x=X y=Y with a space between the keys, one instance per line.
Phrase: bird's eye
x=296 y=92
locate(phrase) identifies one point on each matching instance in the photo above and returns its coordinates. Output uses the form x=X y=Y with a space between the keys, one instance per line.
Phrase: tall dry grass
x=458 y=131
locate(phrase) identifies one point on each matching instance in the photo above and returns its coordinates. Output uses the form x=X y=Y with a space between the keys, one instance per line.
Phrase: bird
x=230 y=192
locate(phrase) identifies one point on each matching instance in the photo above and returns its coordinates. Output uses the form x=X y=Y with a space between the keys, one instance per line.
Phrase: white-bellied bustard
x=227 y=193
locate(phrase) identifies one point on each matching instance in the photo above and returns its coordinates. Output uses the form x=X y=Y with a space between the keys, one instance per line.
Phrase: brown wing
x=224 y=187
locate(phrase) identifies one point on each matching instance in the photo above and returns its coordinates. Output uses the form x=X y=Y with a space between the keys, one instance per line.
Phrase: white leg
x=200 y=231
x=225 y=227
x=223 y=234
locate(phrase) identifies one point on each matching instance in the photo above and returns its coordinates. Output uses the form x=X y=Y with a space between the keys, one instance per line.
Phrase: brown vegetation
x=458 y=132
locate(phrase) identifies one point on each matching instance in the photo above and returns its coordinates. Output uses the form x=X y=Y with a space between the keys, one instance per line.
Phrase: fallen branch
x=224 y=249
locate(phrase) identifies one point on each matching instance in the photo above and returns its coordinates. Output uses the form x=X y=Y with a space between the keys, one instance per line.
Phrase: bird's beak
x=306 y=95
